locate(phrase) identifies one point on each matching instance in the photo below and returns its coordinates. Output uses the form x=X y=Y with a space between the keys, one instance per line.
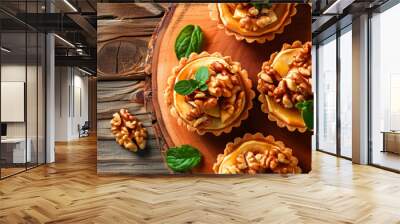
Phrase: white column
x=360 y=90
x=50 y=100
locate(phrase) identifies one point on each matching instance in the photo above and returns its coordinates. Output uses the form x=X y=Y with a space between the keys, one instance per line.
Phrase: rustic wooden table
x=124 y=32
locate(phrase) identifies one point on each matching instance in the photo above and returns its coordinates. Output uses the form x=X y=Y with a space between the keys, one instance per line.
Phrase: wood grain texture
x=123 y=59
x=251 y=56
x=111 y=157
x=114 y=95
x=112 y=29
x=128 y=10
x=123 y=33
x=70 y=191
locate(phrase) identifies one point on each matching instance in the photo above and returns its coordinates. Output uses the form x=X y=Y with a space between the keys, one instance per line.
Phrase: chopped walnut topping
x=275 y=160
x=224 y=93
x=252 y=18
x=128 y=131
x=295 y=86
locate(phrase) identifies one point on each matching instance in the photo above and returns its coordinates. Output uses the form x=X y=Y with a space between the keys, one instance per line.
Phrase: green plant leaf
x=203 y=87
x=189 y=40
x=308 y=118
x=300 y=105
x=306 y=109
x=262 y=4
x=183 y=158
x=257 y=5
x=202 y=74
x=186 y=87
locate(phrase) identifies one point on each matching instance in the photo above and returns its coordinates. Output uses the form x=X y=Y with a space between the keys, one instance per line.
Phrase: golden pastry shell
x=214 y=14
x=169 y=92
x=232 y=146
x=262 y=97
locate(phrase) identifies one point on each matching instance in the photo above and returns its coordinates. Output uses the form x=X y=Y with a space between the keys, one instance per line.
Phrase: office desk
x=391 y=141
x=15 y=148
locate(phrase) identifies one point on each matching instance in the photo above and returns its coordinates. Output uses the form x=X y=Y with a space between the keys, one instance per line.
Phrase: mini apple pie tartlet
x=252 y=21
x=285 y=84
x=209 y=93
x=256 y=154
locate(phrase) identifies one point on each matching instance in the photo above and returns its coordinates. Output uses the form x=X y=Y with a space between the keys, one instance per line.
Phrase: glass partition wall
x=327 y=95
x=22 y=77
x=334 y=94
x=385 y=89
x=345 y=92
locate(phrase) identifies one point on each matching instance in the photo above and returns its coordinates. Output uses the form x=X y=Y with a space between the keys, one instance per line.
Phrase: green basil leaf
x=202 y=74
x=197 y=40
x=300 y=105
x=306 y=109
x=189 y=40
x=182 y=46
x=308 y=118
x=203 y=87
x=260 y=5
x=183 y=158
x=186 y=87
x=257 y=5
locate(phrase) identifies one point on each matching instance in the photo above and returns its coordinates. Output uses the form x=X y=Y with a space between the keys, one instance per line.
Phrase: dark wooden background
x=124 y=31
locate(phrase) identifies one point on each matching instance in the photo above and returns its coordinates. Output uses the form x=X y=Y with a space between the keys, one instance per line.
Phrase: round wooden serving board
x=251 y=56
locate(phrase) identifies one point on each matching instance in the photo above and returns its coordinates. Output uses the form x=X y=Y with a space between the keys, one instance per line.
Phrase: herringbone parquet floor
x=69 y=191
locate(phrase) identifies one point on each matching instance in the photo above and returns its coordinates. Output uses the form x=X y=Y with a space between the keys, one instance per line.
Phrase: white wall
x=14 y=73
x=61 y=103
x=33 y=127
x=70 y=83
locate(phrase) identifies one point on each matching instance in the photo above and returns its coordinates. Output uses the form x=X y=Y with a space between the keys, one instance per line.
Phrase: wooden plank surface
x=114 y=95
x=124 y=58
x=251 y=57
x=124 y=31
x=113 y=29
x=111 y=157
x=128 y=10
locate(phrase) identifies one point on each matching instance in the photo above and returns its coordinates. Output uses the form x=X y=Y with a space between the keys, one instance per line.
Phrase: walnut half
x=128 y=131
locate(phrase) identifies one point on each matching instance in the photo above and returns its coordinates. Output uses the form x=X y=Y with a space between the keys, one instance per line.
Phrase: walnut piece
x=252 y=18
x=276 y=160
x=223 y=97
x=128 y=131
x=296 y=86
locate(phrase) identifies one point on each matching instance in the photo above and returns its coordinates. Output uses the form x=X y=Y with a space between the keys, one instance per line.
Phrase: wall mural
x=204 y=88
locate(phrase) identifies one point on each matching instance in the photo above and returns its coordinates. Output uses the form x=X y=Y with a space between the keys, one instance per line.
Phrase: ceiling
x=331 y=15
x=74 y=21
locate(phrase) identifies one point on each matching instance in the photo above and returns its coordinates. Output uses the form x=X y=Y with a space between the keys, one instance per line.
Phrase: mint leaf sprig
x=183 y=158
x=306 y=109
x=261 y=4
x=189 y=40
x=186 y=87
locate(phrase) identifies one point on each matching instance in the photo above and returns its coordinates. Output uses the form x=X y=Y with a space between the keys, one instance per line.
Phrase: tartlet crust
x=238 y=141
x=215 y=16
x=246 y=82
x=262 y=96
